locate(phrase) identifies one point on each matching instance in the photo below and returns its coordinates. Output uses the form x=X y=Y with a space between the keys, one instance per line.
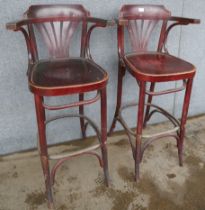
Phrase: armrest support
x=18 y=26
x=177 y=21
x=97 y=23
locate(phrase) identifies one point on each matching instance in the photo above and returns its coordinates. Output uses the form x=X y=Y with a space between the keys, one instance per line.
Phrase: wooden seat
x=158 y=67
x=148 y=27
x=50 y=29
x=71 y=75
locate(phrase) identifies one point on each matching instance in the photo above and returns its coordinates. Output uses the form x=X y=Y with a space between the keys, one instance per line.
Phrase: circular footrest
x=149 y=139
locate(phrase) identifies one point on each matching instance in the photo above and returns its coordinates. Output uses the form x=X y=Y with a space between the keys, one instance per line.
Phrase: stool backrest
x=55 y=33
x=143 y=22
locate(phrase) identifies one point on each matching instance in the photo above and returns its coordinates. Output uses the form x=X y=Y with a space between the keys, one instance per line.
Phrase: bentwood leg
x=40 y=113
x=183 y=119
x=139 y=128
x=149 y=101
x=104 y=134
x=81 y=112
x=121 y=73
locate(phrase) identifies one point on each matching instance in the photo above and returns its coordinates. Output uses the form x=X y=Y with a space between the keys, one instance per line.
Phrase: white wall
x=17 y=113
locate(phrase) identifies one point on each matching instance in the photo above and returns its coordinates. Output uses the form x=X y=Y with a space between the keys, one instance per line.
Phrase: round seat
x=158 y=67
x=66 y=76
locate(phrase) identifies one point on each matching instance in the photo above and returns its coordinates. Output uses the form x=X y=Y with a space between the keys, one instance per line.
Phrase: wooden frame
x=50 y=15
x=136 y=66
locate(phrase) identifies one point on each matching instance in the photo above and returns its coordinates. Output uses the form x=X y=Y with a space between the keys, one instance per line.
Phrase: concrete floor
x=79 y=182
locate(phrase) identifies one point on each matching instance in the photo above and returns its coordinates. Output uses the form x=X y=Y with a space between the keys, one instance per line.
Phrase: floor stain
x=100 y=179
x=4 y=176
x=193 y=191
x=126 y=174
x=150 y=147
x=62 y=207
x=35 y=198
x=121 y=142
x=120 y=199
x=163 y=184
x=72 y=178
x=15 y=175
x=82 y=143
x=158 y=200
x=192 y=160
x=171 y=176
x=99 y=191
x=72 y=200
x=72 y=197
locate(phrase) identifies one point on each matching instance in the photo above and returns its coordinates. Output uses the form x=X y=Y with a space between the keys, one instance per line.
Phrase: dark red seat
x=147 y=24
x=50 y=29
x=158 y=67
x=73 y=75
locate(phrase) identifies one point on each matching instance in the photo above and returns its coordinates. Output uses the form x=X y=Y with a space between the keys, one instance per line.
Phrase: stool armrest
x=97 y=23
x=176 y=22
x=17 y=24
x=184 y=21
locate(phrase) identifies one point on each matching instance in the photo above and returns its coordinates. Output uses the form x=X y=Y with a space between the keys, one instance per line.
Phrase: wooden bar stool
x=146 y=66
x=60 y=74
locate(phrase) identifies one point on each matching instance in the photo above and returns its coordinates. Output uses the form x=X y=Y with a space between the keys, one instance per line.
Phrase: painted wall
x=17 y=112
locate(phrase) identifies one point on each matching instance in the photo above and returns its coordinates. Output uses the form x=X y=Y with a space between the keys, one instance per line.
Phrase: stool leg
x=121 y=74
x=183 y=119
x=104 y=134
x=81 y=111
x=40 y=114
x=149 y=101
x=139 y=129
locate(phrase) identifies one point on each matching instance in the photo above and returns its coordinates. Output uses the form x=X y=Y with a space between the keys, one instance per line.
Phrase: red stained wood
x=66 y=76
x=147 y=65
x=60 y=74
x=158 y=67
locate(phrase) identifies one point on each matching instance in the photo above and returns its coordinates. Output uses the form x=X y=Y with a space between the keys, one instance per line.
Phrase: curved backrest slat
x=143 y=20
x=56 y=35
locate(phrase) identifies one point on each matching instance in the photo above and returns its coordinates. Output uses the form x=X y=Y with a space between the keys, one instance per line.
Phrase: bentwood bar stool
x=60 y=74
x=150 y=67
